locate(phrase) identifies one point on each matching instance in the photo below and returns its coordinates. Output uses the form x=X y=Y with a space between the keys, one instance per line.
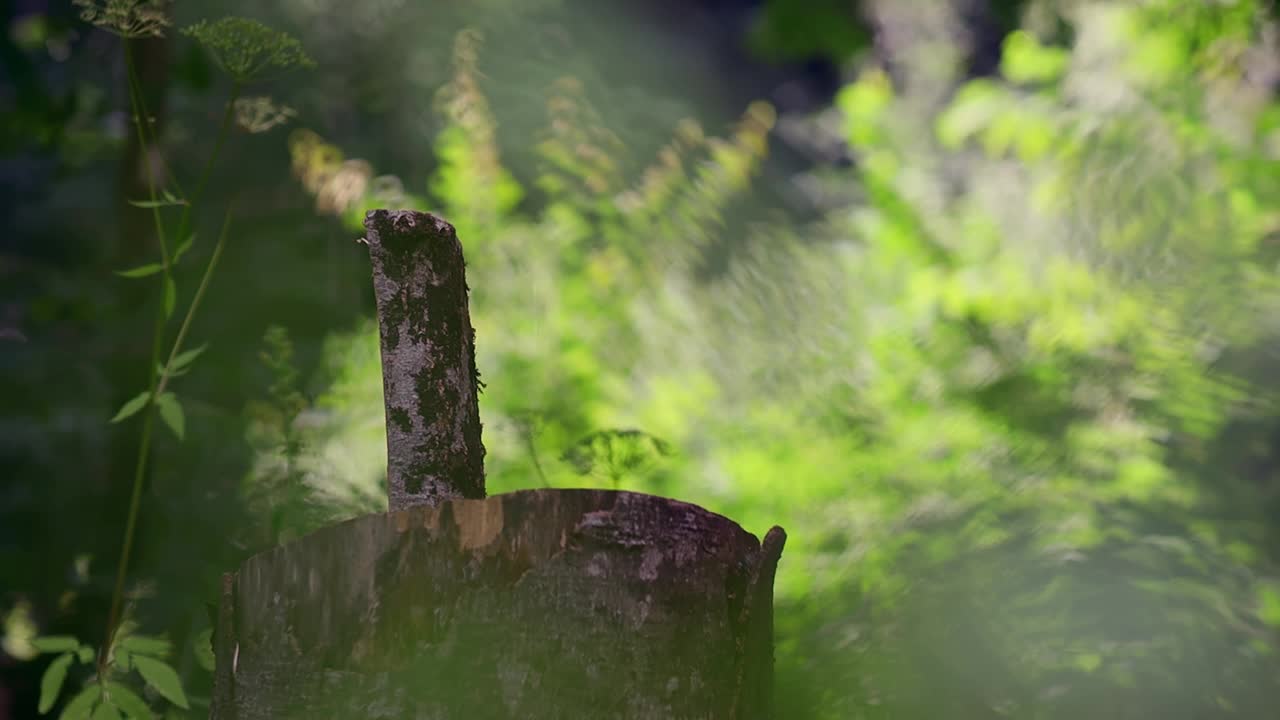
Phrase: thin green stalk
x=145 y=446
x=157 y=382
x=227 y=115
x=117 y=595
x=135 y=103
x=195 y=303
x=135 y=90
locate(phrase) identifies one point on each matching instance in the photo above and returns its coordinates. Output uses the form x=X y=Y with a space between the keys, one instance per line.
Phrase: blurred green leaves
x=1000 y=393
x=1026 y=61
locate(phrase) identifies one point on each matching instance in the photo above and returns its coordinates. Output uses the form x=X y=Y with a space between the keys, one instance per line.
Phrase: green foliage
x=999 y=395
x=616 y=455
x=163 y=678
x=51 y=681
x=171 y=413
x=248 y=51
x=105 y=696
x=797 y=30
x=471 y=181
x=133 y=406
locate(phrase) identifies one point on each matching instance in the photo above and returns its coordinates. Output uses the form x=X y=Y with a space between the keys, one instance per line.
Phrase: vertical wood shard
x=430 y=384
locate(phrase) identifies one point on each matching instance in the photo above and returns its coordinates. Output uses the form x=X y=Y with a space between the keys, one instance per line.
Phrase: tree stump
x=534 y=604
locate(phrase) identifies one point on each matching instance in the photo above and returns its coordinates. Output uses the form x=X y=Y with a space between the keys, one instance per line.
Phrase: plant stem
x=135 y=103
x=195 y=303
x=144 y=445
x=139 y=100
x=184 y=221
x=117 y=595
x=156 y=383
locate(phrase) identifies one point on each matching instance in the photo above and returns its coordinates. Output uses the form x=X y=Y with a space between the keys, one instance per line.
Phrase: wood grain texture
x=535 y=604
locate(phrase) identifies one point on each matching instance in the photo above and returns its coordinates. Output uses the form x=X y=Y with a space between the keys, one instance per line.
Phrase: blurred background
x=977 y=298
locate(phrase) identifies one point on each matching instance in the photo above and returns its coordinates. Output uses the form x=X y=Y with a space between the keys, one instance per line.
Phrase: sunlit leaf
x=163 y=678
x=972 y=110
x=171 y=413
x=1269 y=605
x=51 y=681
x=1025 y=60
x=131 y=408
x=1088 y=662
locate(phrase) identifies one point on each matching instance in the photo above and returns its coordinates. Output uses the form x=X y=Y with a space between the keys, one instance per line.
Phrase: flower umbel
x=260 y=114
x=248 y=50
x=127 y=18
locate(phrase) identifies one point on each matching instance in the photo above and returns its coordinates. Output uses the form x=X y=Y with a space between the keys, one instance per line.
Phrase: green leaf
x=128 y=410
x=1027 y=61
x=130 y=702
x=82 y=704
x=973 y=109
x=170 y=296
x=55 y=643
x=141 y=271
x=84 y=654
x=123 y=659
x=106 y=711
x=184 y=358
x=143 y=644
x=172 y=373
x=51 y=681
x=149 y=203
x=168 y=202
x=1088 y=662
x=163 y=678
x=183 y=247
x=171 y=413
x=1269 y=605
x=203 y=649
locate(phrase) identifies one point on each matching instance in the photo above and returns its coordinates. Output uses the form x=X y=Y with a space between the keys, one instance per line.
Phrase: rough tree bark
x=429 y=374
x=533 y=604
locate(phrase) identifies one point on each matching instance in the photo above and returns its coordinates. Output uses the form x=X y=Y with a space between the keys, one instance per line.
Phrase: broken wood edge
x=755 y=679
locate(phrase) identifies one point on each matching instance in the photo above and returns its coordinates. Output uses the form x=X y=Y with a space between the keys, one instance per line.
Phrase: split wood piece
x=430 y=383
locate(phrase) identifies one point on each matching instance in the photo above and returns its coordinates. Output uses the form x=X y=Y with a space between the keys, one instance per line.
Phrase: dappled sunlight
x=1000 y=358
x=991 y=365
